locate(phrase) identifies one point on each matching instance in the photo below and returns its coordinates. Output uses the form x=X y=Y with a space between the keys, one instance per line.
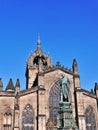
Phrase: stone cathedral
x=36 y=107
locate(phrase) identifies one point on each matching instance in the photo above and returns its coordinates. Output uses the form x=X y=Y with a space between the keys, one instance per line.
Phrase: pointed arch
x=90 y=118
x=28 y=118
x=54 y=99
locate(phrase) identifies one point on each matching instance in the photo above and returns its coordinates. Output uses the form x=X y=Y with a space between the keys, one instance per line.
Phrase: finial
x=17 y=83
x=38 y=42
x=75 y=66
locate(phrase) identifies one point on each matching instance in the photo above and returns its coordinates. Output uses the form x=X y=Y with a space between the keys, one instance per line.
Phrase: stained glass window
x=54 y=98
x=90 y=119
x=28 y=118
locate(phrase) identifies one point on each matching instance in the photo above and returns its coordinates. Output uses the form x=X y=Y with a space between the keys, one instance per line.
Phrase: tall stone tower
x=36 y=64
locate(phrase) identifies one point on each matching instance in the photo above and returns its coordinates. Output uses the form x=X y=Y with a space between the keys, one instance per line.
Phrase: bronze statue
x=64 y=89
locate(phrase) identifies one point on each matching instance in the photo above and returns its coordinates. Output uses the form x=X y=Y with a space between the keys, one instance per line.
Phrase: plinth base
x=65 y=117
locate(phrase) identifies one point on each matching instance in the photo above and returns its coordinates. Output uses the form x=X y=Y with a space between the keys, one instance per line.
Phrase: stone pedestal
x=65 y=117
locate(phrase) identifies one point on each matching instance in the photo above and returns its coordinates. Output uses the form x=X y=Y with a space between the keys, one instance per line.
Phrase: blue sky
x=68 y=30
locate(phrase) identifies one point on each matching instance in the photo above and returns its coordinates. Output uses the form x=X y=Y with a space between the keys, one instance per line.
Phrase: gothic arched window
x=54 y=98
x=7 y=119
x=28 y=118
x=90 y=119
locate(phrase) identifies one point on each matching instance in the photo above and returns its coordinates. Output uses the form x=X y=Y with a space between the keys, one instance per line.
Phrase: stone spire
x=10 y=86
x=38 y=42
x=17 y=83
x=38 y=51
x=17 y=86
x=75 y=66
x=1 y=84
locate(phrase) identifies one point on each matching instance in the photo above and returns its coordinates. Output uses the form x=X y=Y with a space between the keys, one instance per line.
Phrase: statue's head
x=63 y=75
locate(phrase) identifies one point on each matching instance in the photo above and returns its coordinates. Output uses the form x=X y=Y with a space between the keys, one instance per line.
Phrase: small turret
x=1 y=84
x=75 y=66
x=76 y=75
x=10 y=86
x=96 y=89
x=17 y=86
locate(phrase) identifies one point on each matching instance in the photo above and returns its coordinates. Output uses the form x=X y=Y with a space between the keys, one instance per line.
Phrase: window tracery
x=28 y=118
x=7 y=119
x=90 y=119
x=54 y=98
